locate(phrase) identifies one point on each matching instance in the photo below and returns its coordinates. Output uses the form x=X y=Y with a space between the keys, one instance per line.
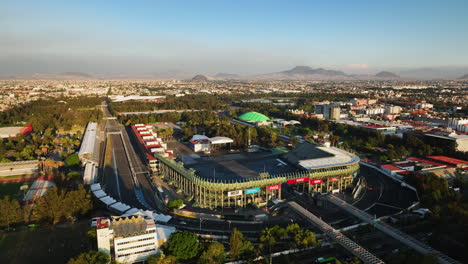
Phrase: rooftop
x=310 y=156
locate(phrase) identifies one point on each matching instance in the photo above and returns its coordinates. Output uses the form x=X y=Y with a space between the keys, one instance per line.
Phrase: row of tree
x=58 y=113
x=186 y=246
x=55 y=206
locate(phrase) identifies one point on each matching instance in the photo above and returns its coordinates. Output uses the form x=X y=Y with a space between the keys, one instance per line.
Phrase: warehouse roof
x=89 y=139
x=253 y=116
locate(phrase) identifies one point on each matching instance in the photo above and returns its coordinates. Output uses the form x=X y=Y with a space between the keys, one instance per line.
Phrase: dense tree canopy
x=182 y=245
x=91 y=257
x=215 y=254
x=58 y=204
x=10 y=212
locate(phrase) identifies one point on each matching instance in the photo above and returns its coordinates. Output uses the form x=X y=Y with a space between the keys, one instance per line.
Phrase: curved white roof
x=220 y=140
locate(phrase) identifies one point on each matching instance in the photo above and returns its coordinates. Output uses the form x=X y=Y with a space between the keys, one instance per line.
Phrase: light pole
x=200 y=223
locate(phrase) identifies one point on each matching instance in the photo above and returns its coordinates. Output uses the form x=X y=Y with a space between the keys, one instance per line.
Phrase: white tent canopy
x=220 y=140
x=107 y=200
x=95 y=187
x=99 y=193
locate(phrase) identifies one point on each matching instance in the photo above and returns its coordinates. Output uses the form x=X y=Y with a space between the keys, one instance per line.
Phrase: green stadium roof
x=254 y=116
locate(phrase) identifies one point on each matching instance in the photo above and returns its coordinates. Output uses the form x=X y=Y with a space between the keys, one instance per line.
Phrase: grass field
x=44 y=244
x=12 y=189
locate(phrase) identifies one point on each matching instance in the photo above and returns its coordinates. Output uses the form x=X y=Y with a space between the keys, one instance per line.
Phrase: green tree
x=77 y=202
x=182 y=245
x=162 y=259
x=174 y=204
x=91 y=257
x=235 y=244
x=72 y=160
x=50 y=207
x=10 y=212
x=215 y=254
x=305 y=238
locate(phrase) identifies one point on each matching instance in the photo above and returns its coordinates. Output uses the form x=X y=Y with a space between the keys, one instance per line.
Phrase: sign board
x=335 y=191
x=274 y=187
x=316 y=181
x=334 y=179
x=298 y=180
x=234 y=193
x=252 y=190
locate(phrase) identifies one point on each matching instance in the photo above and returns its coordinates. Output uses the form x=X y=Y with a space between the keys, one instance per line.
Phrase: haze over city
x=411 y=38
x=233 y=132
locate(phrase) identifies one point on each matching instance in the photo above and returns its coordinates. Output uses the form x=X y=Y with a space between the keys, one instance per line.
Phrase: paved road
x=384 y=196
x=118 y=177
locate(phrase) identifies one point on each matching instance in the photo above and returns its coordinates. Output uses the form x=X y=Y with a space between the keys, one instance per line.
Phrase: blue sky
x=243 y=37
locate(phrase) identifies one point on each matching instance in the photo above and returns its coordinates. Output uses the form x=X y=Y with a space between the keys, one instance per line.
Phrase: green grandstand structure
x=254 y=117
x=318 y=169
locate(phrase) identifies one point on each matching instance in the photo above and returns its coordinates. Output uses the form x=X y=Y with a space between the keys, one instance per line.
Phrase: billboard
x=316 y=181
x=334 y=179
x=252 y=190
x=274 y=187
x=234 y=193
x=298 y=180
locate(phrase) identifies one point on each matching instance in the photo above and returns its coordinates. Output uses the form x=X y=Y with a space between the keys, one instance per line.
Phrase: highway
x=389 y=230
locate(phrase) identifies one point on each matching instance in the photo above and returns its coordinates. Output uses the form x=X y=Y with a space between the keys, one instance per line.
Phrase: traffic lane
x=124 y=174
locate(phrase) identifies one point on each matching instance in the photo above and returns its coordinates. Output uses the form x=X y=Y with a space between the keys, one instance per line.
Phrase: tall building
x=130 y=239
x=334 y=112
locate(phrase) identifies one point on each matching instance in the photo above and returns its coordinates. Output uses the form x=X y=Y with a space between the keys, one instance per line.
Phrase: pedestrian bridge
x=389 y=230
x=336 y=235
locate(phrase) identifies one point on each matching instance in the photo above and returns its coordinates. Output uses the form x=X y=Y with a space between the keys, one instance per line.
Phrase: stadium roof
x=254 y=116
x=310 y=156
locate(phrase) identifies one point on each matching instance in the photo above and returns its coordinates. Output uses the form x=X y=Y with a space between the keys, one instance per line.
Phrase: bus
x=330 y=260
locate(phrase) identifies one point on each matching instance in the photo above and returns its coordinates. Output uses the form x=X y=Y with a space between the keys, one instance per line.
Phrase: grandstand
x=239 y=179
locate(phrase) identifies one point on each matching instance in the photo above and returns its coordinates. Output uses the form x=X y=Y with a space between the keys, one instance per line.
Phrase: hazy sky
x=242 y=37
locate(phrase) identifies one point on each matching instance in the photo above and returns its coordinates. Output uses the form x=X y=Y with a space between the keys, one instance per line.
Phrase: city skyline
x=361 y=37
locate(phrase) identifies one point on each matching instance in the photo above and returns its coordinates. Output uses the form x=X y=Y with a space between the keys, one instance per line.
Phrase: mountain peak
x=200 y=78
x=306 y=70
x=387 y=74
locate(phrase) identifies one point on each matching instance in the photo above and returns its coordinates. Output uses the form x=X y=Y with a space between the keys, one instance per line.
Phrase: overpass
x=389 y=230
x=336 y=235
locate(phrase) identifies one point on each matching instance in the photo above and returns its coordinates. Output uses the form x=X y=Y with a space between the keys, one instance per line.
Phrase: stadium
x=243 y=178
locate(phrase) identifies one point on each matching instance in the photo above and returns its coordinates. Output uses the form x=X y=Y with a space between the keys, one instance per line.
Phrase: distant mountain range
x=464 y=77
x=223 y=75
x=309 y=73
x=296 y=73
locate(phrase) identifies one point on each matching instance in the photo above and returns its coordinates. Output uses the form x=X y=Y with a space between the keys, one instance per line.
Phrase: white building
x=392 y=109
x=132 y=238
